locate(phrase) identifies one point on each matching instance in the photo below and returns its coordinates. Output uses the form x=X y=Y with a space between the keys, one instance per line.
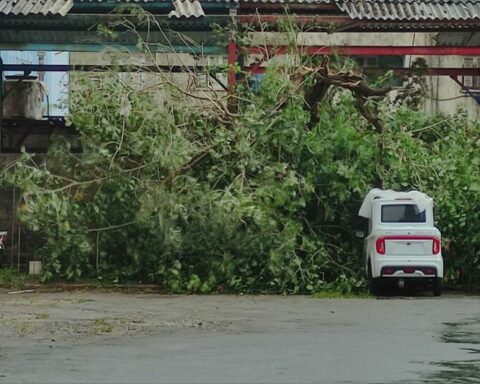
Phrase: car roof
x=398 y=200
x=381 y=196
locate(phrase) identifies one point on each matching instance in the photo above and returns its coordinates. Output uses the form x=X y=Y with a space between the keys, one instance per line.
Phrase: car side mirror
x=360 y=234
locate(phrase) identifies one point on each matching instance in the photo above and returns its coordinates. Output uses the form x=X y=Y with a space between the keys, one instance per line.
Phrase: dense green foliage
x=258 y=203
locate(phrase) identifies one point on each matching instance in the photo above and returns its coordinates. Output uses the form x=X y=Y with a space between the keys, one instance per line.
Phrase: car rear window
x=402 y=213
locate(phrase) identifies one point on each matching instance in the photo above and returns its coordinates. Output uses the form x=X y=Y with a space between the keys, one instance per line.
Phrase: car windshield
x=402 y=213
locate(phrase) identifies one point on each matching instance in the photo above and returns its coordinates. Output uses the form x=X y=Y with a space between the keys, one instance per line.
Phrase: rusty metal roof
x=374 y=11
x=121 y=1
x=186 y=8
x=35 y=7
x=379 y=10
x=276 y=1
x=216 y=1
x=412 y=10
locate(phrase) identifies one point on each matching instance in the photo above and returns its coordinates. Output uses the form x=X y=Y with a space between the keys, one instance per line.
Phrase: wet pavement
x=466 y=335
x=87 y=337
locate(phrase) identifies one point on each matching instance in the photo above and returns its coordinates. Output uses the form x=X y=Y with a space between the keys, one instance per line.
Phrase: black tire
x=375 y=286
x=437 y=286
x=373 y=283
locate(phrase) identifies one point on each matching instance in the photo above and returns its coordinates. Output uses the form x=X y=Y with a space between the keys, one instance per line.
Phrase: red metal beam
x=402 y=71
x=371 y=50
x=427 y=71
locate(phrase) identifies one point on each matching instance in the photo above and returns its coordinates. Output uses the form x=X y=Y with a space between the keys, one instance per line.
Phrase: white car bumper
x=407 y=266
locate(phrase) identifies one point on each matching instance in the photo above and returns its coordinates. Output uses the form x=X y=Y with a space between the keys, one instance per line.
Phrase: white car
x=402 y=242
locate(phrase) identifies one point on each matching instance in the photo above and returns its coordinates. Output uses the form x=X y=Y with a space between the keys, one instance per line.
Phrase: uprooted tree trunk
x=324 y=79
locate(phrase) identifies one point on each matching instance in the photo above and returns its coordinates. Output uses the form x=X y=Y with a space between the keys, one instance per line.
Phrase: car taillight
x=388 y=270
x=380 y=245
x=436 y=246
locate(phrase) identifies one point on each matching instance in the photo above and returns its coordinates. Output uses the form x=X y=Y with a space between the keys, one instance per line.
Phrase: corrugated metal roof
x=275 y=1
x=367 y=10
x=35 y=7
x=421 y=10
x=362 y=8
x=186 y=8
x=218 y=1
x=122 y=1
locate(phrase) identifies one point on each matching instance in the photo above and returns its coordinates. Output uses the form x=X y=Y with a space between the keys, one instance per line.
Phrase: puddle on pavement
x=461 y=372
x=466 y=333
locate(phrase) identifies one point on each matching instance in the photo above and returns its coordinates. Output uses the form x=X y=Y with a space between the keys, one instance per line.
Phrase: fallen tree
x=194 y=197
x=321 y=79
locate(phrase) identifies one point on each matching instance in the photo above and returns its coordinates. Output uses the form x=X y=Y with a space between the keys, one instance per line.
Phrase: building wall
x=195 y=83
x=56 y=83
x=444 y=95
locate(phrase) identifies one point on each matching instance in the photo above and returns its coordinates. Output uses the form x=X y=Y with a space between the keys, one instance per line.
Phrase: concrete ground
x=95 y=337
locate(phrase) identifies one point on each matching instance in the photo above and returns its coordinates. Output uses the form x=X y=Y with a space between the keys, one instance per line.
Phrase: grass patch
x=331 y=294
x=13 y=279
x=102 y=326
x=24 y=327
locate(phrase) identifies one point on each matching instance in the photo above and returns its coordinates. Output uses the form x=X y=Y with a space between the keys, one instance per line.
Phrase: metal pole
x=41 y=61
x=18 y=249
x=232 y=59
x=1 y=103
x=232 y=52
x=12 y=229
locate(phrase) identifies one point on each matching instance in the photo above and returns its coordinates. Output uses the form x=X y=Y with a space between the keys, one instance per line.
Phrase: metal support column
x=232 y=50
x=1 y=104
x=232 y=59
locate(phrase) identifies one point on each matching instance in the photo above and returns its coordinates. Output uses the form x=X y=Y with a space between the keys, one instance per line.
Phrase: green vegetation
x=101 y=326
x=263 y=199
x=335 y=294
x=11 y=278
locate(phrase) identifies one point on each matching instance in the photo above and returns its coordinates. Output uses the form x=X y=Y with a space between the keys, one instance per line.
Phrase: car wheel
x=437 y=286
x=373 y=283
